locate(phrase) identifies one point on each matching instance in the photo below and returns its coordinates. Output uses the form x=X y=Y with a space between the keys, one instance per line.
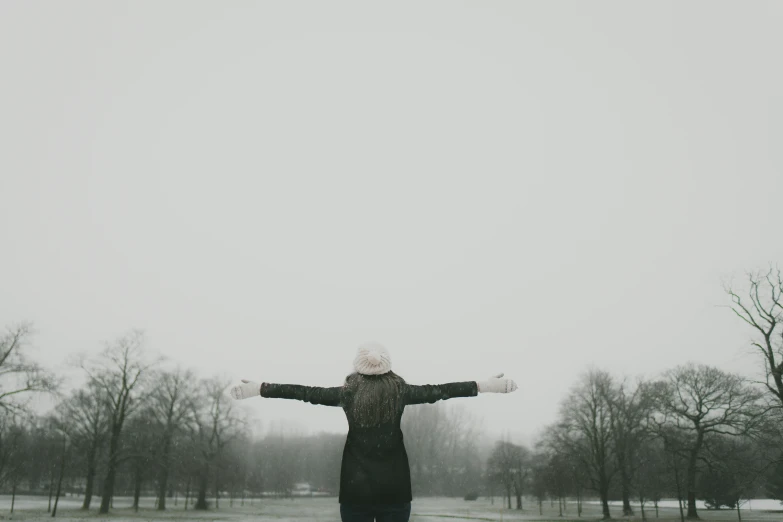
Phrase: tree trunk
x=162 y=486
x=691 y=476
x=137 y=487
x=111 y=471
x=679 y=487
x=13 y=497
x=59 y=480
x=91 y=468
x=604 y=494
x=508 y=495
x=51 y=489
x=624 y=483
x=739 y=517
x=605 y=506
x=540 y=506
x=217 y=486
x=164 y=473
x=187 y=494
x=518 y=491
x=201 y=500
x=627 y=509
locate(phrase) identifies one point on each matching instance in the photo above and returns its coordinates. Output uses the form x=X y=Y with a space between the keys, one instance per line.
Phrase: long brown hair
x=372 y=400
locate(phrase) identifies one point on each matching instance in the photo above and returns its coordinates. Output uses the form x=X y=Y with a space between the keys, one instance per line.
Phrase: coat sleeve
x=431 y=393
x=311 y=394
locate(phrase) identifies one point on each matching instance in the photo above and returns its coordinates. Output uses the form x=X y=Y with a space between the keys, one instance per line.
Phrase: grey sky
x=530 y=188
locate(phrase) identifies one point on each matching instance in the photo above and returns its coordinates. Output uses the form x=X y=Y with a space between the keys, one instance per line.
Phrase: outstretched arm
x=311 y=394
x=429 y=393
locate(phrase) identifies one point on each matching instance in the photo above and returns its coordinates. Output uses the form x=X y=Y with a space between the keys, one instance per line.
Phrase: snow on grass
x=328 y=510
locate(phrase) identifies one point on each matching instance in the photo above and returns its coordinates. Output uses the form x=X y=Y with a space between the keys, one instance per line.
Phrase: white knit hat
x=372 y=359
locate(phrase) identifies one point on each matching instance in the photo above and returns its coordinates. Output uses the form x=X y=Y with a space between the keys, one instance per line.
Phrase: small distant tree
x=505 y=466
x=629 y=406
x=85 y=413
x=522 y=473
x=584 y=432
x=119 y=374
x=171 y=408
x=140 y=450
x=215 y=424
x=540 y=479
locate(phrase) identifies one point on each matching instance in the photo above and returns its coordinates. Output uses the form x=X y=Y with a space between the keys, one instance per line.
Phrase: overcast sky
x=483 y=187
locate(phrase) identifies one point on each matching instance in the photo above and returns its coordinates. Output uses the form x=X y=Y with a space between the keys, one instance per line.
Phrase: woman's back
x=375 y=467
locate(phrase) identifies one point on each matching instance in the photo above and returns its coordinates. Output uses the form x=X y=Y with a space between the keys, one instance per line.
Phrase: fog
x=482 y=188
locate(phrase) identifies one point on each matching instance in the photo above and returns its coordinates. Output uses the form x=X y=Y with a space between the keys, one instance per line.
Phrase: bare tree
x=762 y=309
x=629 y=407
x=557 y=475
x=540 y=483
x=697 y=401
x=119 y=374
x=508 y=464
x=171 y=407
x=585 y=432
x=215 y=424
x=19 y=376
x=87 y=416
x=139 y=448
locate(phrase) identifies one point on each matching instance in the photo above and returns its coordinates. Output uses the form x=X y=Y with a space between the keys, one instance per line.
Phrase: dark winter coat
x=375 y=466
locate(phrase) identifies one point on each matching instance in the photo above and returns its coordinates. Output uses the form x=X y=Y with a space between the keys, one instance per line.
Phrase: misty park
x=538 y=242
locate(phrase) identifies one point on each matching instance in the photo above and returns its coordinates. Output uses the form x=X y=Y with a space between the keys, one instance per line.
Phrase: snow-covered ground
x=327 y=510
x=750 y=505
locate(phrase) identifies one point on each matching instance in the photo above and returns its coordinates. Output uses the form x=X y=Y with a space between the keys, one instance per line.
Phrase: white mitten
x=496 y=385
x=245 y=390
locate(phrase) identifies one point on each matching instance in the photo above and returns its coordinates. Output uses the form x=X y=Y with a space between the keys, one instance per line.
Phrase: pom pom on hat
x=372 y=359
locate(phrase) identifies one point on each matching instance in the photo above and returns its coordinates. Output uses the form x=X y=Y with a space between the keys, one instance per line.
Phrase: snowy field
x=327 y=510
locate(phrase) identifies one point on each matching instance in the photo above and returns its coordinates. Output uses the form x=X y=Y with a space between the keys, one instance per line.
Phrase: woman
x=375 y=482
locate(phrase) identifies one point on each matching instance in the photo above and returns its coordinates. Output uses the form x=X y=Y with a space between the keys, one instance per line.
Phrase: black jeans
x=375 y=512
